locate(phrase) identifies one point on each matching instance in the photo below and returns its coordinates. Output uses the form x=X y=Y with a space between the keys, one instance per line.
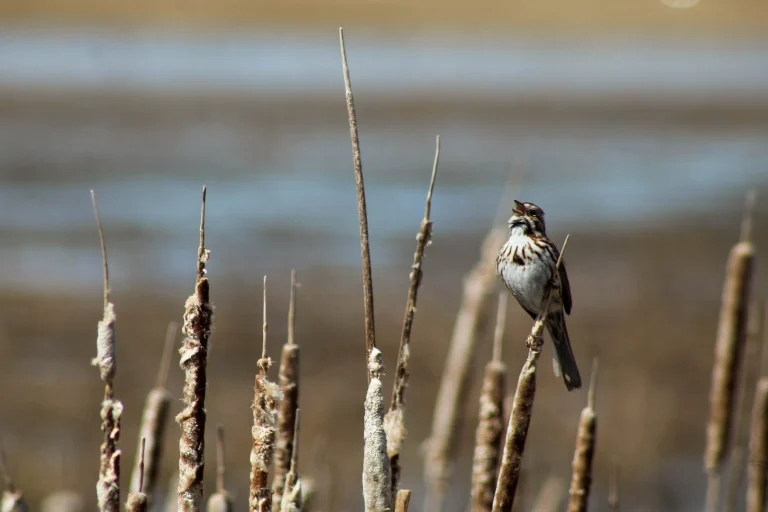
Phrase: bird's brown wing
x=565 y=288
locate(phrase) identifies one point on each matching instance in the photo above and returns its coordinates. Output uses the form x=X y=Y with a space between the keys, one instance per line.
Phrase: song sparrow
x=525 y=264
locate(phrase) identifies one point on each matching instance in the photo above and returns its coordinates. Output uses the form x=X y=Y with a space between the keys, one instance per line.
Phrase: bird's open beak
x=519 y=207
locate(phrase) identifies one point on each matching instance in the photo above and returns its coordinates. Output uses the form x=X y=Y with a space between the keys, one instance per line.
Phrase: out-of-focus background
x=637 y=126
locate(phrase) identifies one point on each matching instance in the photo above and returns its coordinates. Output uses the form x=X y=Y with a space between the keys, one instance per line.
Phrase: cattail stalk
x=153 y=422
x=613 y=489
x=289 y=385
x=490 y=426
x=377 y=479
x=479 y=287
x=292 y=499
x=550 y=496
x=729 y=347
x=12 y=499
x=522 y=408
x=757 y=472
x=266 y=400
x=108 y=485
x=220 y=501
x=394 y=421
x=402 y=500
x=137 y=500
x=198 y=320
x=362 y=212
x=585 y=451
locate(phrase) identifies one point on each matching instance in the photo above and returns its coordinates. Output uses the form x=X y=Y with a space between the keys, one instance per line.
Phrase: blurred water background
x=638 y=134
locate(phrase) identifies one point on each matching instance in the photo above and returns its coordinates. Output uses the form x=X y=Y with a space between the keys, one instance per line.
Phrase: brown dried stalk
x=613 y=489
x=728 y=354
x=198 y=320
x=490 y=425
x=362 y=212
x=289 y=385
x=394 y=421
x=12 y=499
x=220 y=501
x=746 y=384
x=266 y=400
x=757 y=477
x=377 y=478
x=522 y=408
x=585 y=451
x=154 y=420
x=137 y=501
x=402 y=500
x=108 y=486
x=479 y=287
x=551 y=494
x=292 y=499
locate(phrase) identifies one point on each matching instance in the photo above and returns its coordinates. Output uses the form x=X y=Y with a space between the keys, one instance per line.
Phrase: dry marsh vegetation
x=499 y=455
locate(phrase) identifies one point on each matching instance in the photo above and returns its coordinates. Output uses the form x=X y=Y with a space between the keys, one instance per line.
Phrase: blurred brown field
x=584 y=17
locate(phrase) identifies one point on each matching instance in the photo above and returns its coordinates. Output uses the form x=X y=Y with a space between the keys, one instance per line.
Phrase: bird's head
x=527 y=218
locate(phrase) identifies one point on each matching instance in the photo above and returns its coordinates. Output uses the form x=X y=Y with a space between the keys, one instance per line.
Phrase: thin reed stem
x=108 y=485
x=292 y=499
x=197 y=326
x=137 y=500
x=154 y=420
x=522 y=408
x=585 y=451
x=220 y=501
x=613 y=489
x=289 y=385
x=362 y=212
x=377 y=478
x=394 y=421
x=266 y=400
x=490 y=425
x=402 y=500
x=479 y=286
x=729 y=349
x=550 y=496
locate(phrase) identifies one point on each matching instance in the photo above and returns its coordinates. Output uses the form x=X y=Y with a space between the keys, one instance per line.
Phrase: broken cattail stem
x=292 y=498
x=108 y=486
x=585 y=451
x=403 y=500
x=522 y=408
x=490 y=426
x=266 y=400
x=12 y=499
x=729 y=347
x=757 y=476
x=137 y=501
x=550 y=496
x=362 y=212
x=394 y=421
x=289 y=385
x=377 y=478
x=220 y=501
x=154 y=420
x=479 y=287
x=198 y=321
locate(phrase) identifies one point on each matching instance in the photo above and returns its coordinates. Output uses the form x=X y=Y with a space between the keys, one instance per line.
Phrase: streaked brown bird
x=526 y=263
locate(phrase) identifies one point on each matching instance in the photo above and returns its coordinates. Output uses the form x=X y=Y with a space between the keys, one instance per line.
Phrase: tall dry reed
x=522 y=407
x=613 y=489
x=362 y=211
x=377 y=478
x=292 y=499
x=490 y=425
x=220 y=501
x=479 y=286
x=757 y=472
x=729 y=347
x=153 y=423
x=108 y=485
x=402 y=500
x=289 y=385
x=583 y=456
x=137 y=500
x=198 y=322
x=394 y=421
x=266 y=400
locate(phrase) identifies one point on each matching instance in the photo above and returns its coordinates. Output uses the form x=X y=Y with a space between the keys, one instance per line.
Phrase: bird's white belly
x=527 y=282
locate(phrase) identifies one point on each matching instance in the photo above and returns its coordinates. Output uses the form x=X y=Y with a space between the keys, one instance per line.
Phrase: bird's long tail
x=564 y=359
